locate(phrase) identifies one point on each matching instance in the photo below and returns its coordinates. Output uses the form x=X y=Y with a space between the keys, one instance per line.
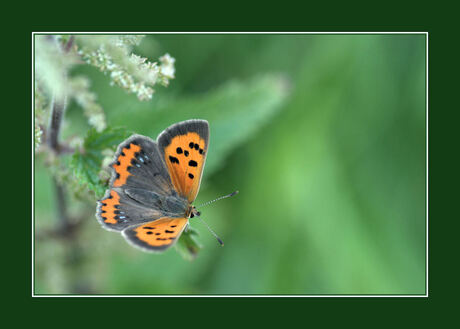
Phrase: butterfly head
x=193 y=212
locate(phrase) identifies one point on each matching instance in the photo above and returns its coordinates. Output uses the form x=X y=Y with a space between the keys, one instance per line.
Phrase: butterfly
x=154 y=184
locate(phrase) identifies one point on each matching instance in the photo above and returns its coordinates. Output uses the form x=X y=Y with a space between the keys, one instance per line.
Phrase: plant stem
x=58 y=111
x=57 y=114
x=69 y=44
x=66 y=230
x=61 y=206
x=55 y=125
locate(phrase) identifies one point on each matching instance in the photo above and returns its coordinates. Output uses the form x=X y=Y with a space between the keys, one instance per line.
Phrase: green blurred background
x=324 y=137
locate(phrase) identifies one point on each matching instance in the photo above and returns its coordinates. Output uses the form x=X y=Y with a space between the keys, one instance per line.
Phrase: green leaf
x=188 y=246
x=86 y=163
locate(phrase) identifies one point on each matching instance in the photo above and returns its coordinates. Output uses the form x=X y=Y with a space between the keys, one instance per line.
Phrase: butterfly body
x=154 y=184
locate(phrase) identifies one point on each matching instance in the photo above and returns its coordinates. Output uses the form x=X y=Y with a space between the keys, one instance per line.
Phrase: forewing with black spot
x=184 y=146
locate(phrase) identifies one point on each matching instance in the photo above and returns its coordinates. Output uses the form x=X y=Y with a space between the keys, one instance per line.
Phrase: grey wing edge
x=200 y=126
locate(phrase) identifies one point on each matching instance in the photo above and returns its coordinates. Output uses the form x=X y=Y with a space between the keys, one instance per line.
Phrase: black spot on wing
x=192 y=163
x=173 y=159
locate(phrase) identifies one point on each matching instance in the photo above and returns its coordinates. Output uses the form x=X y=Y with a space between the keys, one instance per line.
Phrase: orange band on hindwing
x=185 y=157
x=109 y=207
x=128 y=153
x=156 y=235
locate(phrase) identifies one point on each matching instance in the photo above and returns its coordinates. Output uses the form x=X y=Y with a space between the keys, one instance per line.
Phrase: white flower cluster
x=79 y=88
x=131 y=72
x=37 y=136
x=53 y=81
x=167 y=68
x=55 y=55
x=40 y=115
x=128 y=39
x=52 y=66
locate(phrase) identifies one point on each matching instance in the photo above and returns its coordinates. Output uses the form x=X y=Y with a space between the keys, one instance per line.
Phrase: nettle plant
x=56 y=55
x=87 y=166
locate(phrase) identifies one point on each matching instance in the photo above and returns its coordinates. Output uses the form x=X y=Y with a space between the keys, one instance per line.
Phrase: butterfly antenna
x=213 y=233
x=220 y=198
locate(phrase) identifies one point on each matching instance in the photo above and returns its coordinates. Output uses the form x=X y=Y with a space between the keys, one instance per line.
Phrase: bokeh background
x=324 y=137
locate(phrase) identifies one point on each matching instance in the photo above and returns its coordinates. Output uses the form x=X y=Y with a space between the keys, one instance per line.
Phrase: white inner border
x=287 y=33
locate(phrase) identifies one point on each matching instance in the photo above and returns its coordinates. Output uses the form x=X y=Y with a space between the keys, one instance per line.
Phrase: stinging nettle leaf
x=86 y=163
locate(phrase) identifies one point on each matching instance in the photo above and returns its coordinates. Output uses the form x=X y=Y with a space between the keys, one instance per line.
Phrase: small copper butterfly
x=154 y=184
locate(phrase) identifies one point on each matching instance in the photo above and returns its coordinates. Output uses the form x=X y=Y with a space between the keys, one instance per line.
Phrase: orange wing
x=184 y=147
x=157 y=235
x=108 y=208
x=124 y=161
